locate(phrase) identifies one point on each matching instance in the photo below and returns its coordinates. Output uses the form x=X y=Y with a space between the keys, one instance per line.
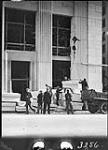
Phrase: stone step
x=8 y=109
x=21 y=108
x=8 y=104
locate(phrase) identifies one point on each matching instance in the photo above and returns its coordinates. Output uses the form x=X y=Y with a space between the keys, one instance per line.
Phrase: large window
x=103 y=48
x=103 y=22
x=20 y=30
x=103 y=8
x=20 y=75
x=61 y=69
x=61 y=35
x=103 y=36
x=105 y=78
x=103 y=60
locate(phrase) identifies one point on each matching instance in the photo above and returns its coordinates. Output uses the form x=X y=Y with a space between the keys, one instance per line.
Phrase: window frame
x=58 y=28
x=24 y=24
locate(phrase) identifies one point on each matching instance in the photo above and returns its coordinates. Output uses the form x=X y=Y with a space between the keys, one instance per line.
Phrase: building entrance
x=20 y=75
x=61 y=69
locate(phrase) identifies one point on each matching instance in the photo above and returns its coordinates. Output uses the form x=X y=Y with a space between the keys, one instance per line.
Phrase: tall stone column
x=3 y=57
x=95 y=45
x=44 y=60
x=79 y=30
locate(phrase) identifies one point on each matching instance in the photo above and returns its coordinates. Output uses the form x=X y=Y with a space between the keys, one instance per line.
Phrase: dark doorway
x=20 y=75
x=60 y=70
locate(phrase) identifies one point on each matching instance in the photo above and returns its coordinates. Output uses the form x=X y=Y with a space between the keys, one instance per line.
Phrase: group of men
x=44 y=99
x=44 y=102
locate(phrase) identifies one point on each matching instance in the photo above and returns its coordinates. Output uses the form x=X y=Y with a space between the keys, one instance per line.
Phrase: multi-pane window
x=103 y=23
x=61 y=35
x=103 y=36
x=103 y=10
x=105 y=78
x=20 y=30
x=103 y=60
x=20 y=75
x=103 y=48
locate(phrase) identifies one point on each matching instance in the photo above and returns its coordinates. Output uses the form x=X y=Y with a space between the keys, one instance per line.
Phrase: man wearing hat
x=69 y=106
x=47 y=101
x=39 y=101
x=28 y=96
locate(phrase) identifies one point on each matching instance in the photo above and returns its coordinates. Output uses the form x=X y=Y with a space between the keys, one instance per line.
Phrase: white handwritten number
x=91 y=144
x=96 y=145
x=81 y=145
x=87 y=145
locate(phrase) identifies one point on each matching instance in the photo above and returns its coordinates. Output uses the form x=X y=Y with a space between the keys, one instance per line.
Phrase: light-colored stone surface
x=88 y=59
x=13 y=97
x=86 y=26
x=53 y=125
x=95 y=45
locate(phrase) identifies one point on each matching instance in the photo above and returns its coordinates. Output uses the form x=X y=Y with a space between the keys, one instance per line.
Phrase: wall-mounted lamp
x=74 y=49
x=74 y=39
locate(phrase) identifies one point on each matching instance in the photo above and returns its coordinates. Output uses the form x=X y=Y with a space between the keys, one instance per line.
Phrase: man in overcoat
x=69 y=106
x=28 y=96
x=40 y=101
x=46 y=101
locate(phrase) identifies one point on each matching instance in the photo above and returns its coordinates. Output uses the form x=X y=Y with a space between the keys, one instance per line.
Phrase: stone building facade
x=37 y=43
x=105 y=45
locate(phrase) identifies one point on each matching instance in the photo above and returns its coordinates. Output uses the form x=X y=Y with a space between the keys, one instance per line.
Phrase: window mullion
x=24 y=32
x=57 y=36
x=6 y=34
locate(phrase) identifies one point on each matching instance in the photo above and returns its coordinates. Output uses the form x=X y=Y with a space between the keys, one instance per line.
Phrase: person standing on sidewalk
x=40 y=101
x=69 y=106
x=85 y=88
x=47 y=101
x=57 y=96
x=28 y=96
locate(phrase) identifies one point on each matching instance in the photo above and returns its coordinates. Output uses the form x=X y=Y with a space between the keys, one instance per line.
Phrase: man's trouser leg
x=67 y=108
x=44 y=109
x=41 y=108
x=86 y=105
x=31 y=107
x=57 y=96
x=48 y=108
x=27 y=112
x=38 y=109
x=71 y=107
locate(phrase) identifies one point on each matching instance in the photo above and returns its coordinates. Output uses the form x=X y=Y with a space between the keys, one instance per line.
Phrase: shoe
x=72 y=112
